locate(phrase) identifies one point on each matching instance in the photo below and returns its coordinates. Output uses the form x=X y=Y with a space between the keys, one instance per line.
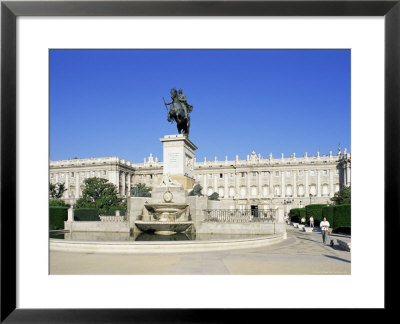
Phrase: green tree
x=141 y=190
x=56 y=190
x=342 y=197
x=55 y=202
x=99 y=194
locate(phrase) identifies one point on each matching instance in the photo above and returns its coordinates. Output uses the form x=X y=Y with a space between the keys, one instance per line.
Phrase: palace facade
x=255 y=183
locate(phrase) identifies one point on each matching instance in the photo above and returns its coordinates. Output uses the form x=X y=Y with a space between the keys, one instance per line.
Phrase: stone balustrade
x=112 y=218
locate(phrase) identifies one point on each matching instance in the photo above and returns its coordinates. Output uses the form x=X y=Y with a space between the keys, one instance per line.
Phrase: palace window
x=62 y=175
x=266 y=173
x=276 y=173
x=288 y=173
x=325 y=190
x=221 y=175
x=231 y=192
x=93 y=173
x=277 y=191
x=325 y=172
x=243 y=174
x=312 y=172
x=300 y=172
x=265 y=191
x=337 y=171
x=313 y=190
x=300 y=191
x=289 y=192
x=209 y=176
x=72 y=174
x=254 y=191
x=104 y=172
x=221 y=192
x=51 y=175
x=209 y=191
x=243 y=191
x=254 y=174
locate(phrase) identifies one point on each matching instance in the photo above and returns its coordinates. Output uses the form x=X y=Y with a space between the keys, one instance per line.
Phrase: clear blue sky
x=109 y=102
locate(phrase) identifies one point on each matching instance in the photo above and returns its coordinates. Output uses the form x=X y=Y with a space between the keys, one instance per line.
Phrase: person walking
x=303 y=220
x=311 y=221
x=324 y=225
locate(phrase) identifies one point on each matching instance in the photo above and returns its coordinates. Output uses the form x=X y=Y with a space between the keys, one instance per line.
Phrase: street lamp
x=310 y=198
x=288 y=202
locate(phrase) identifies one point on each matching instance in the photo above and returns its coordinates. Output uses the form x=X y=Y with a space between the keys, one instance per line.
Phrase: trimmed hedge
x=329 y=213
x=57 y=217
x=342 y=218
x=112 y=210
x=86 y=215
x=339 y=217
x=314 y=211
x=296 y=214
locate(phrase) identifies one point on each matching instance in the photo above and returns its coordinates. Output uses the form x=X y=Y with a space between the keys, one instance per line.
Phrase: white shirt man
x=324 y=225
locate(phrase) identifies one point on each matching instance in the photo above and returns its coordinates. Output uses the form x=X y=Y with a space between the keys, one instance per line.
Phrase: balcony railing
x=239 y=215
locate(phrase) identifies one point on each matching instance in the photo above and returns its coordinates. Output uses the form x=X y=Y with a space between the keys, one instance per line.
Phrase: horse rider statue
x=179 y=111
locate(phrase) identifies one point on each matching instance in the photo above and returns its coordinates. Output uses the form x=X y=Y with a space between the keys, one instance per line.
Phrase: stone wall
x=240 y=228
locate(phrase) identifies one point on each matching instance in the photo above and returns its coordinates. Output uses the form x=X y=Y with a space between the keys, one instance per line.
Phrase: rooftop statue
x=179 y=111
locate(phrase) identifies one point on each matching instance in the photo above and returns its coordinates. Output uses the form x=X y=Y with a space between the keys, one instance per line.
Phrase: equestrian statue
x=179 y=111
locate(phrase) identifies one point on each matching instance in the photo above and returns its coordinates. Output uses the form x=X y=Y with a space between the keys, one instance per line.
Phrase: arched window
x=300 y=191
x=313 y=190
x=243 y=191
x=289 y=191
x=277 y=191
x=221 y=191
x=254 y=191
x=265 y=191
x=231 y=192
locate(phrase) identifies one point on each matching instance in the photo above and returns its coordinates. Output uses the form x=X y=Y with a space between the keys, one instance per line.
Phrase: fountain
x=166 y=216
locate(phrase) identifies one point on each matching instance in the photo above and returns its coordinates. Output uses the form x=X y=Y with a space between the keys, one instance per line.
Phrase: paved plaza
x=300 y=253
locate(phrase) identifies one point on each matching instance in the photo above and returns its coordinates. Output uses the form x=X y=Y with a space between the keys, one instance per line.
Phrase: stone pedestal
x=178 y=154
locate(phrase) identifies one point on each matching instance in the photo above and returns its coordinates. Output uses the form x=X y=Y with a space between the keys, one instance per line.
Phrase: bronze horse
x=178 y=113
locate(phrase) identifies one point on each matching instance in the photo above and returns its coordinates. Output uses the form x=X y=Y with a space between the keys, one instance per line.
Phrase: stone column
x=271 y=184
x=236 y=185
x=129 y=185
x=283 y=193
x=226 y=190
x=348 y=175
x=247 y=184
x=294 y=184
x=66 y=185
x=318 y=184
x=306 y=192
x=215 y=182
x=331 y=189
x=204 y=184
x=259 y=184
x=70 y=214
x=114 y=178
x=123 y=183
x=77 y=185
x=56 y=177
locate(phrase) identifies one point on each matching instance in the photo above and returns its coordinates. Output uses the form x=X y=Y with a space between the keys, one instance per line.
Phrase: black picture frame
x=10 y=10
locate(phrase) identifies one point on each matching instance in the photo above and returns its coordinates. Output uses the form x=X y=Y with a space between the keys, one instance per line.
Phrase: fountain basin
x=166 y=212
x=163 y=227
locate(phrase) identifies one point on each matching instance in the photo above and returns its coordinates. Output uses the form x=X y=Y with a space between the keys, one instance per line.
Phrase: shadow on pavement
x=337 y=258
